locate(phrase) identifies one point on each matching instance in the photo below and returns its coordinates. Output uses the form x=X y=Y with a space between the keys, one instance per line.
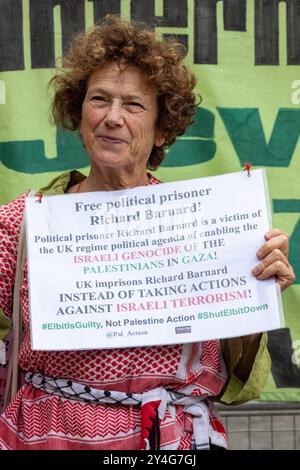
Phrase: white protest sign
x=162 y=264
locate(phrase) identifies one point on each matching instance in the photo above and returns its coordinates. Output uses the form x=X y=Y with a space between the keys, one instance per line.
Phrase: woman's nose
x=114 y=116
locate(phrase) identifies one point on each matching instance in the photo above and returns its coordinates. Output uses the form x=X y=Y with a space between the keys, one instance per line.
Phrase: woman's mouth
x=111 y=140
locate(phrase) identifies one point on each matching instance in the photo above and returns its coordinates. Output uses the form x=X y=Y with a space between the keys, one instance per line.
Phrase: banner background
x=250 y=112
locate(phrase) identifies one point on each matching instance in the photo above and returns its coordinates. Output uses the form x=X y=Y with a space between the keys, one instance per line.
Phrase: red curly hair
x=115 y=40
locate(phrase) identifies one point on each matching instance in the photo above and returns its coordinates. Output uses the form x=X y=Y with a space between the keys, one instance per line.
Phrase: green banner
x=246 y=55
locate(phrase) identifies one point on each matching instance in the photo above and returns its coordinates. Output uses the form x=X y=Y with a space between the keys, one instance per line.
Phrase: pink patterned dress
x=36 y=419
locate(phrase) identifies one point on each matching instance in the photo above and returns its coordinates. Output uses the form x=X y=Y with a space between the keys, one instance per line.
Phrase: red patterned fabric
x=37 y=420
x=148 y=419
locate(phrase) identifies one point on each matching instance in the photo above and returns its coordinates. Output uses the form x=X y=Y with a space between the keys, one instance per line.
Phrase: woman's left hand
x=274 y=259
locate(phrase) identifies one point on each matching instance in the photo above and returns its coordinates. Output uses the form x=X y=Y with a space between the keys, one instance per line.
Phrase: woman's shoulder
x=60 y=183
x=11 y=214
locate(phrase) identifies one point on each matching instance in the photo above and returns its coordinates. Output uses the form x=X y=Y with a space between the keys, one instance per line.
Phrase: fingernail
x=255 y=271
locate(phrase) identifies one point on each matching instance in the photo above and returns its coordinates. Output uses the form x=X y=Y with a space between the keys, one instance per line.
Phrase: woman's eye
x=98 y=98
x=135 y=105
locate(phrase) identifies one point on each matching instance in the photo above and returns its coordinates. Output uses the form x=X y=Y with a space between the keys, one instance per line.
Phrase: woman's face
x=118 y=123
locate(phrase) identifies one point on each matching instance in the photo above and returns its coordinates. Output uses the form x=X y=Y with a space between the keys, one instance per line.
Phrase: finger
x=285 y=282
x=274 y=232
x=285 y=274
x=277 y=268
x=280 y=242
x=275 y=255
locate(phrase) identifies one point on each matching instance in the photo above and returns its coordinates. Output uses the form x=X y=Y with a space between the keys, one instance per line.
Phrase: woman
x=129 y=96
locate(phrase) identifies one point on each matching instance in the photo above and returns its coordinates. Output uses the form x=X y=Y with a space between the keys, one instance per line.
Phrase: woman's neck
x=109 y=179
